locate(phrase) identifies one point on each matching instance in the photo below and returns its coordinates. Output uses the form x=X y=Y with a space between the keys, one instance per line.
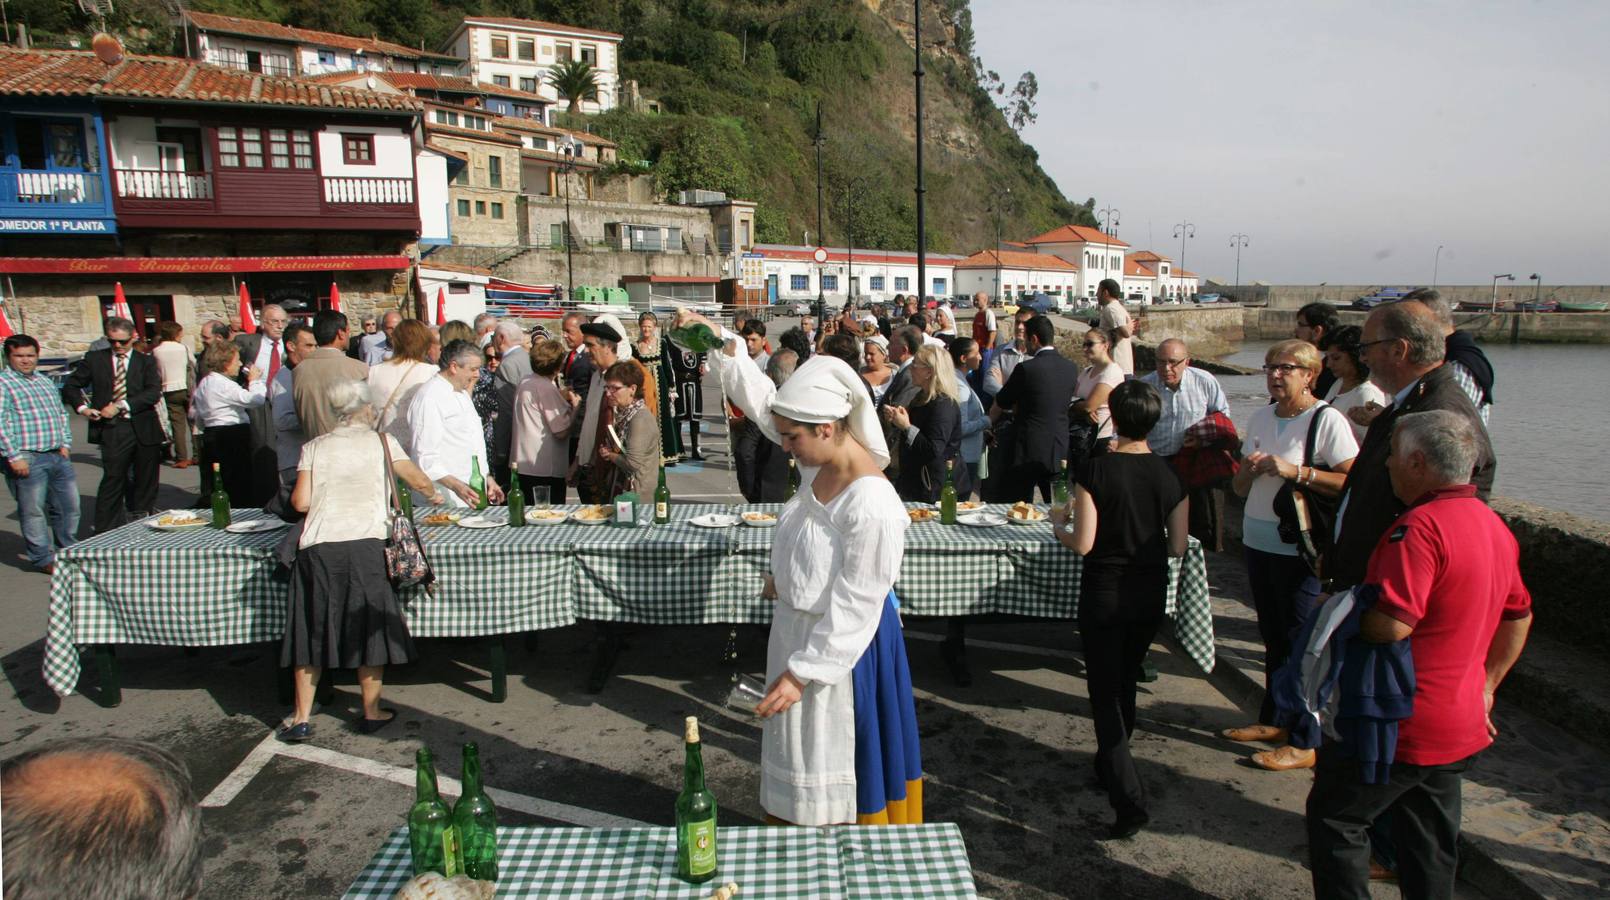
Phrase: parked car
x=1209 y=298
x=800 y=309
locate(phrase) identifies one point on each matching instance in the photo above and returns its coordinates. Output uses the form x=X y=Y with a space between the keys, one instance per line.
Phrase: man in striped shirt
x=35 y=440
x=1189 y=394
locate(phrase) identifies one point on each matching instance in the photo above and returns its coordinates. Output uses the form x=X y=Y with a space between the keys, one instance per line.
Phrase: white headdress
x=826 y=389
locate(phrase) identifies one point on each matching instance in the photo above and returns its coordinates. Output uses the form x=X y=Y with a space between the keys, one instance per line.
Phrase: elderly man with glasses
x=118 y=390
x=1189 y=395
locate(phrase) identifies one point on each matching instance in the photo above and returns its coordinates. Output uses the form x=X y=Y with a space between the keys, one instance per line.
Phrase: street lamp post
x=1537 y=287
x=1495 y=289
x=922 y=230
x=1107 y=217
x=1436 y=258
x=1183 y=230
x=997 y=206
x=821 y=299
x=565 y=168
x=1238 y=241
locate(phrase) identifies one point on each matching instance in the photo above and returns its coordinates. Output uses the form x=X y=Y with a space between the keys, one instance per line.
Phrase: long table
x=204 y=587
x=784 y=863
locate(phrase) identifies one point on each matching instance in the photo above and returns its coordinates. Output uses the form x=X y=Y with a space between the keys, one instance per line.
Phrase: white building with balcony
x=1098 y=255
x=253 y=45
x=519 y=53
x=1013 y=275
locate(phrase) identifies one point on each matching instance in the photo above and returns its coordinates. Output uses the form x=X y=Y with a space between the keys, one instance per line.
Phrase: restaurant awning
x=184 y=265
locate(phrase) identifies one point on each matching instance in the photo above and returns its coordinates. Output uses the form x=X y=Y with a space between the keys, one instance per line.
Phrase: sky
x=1347 y=140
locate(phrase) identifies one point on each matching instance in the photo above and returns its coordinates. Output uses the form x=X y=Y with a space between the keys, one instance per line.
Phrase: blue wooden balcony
x=54 y=202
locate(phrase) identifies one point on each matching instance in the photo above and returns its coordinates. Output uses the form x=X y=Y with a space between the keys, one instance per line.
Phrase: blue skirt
x=888 y=754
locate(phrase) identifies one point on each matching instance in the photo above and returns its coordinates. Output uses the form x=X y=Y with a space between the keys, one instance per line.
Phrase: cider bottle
x=432 y=839
x=695 y=814
x=220 y=500
x=476 y=821
x=478 y=483
x=662 y=500
x=516 y=498
x=947 y=495
x=1059 y=491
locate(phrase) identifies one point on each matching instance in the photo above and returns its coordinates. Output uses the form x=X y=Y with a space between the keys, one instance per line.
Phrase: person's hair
x=1306 y=354
x=268 y=306
x=1135 y=407
x=463 y=351
x=843 y=346
x=217 y=356
x=1111 y=288
x=794 y=339
x=1416 y=326
x=169 y=331
x=387 y=317
x=117 y=323
x=1349 y=340
x=1041 y=329
x=457 y=331
x=909 y=337
x=216 y=328
x=959 y=347
x=1178 y=342
x=1024 y=313
x=327 y=326
x=1433 y=301
x=943 y=384
x=293 y=329
x=100 y=818
x=1320 y=315
x=753 y=326
x=16 y=342
x=782 y=365
x=1099 y=334
x=1447 y=439
x=547 y=356
x=628 y=374
x=510 y=330
x=410 y=341
x=482 y=319
x=572 y=317
x=349 y=401
x=917 y=320
x=646 y=315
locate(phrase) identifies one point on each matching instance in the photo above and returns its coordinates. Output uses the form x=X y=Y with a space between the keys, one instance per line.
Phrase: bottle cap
x=691 y=729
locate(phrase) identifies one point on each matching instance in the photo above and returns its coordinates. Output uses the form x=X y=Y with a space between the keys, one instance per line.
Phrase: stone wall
x=1293 y=296
x=1531 y=328
x=593 y=267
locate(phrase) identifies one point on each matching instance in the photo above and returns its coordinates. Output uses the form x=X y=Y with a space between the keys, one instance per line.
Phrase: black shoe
x=1128 y=825
x=956 y=661
x=296 y=734
x=696 y=456
x=370 y=726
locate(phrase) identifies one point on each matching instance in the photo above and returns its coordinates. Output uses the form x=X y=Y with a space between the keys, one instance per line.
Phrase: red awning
x=184 y=265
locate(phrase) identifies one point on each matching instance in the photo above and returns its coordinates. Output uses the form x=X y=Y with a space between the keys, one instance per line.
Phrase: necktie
x=120 y=386
x=569 y=361
x=273 y=360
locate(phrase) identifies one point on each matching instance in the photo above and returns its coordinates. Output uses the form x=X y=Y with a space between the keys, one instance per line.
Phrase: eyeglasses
x=1088 y=344
x=120 y=343
x=1367 y=344
x=1171 y=363
x=617 y=387
x=1282 y=368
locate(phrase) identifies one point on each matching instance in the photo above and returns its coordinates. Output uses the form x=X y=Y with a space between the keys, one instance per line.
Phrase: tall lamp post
x=922 y=229
x=1495 y=289
x=1107 y=217
x=1183 y=230
x=998 y=205
x=1237 y=241
x=565 y=168
x=1436 y=259
x=1537 y=287
x=821 y=299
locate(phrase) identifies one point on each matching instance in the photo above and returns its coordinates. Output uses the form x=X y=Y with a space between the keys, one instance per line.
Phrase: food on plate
x=545 y=515
x=1025 y=512
x=922 y=514
x=969 y=506
x=595 y=513
x=432 y=886
x=759 y=517
x=439 y=518
x=180 y=519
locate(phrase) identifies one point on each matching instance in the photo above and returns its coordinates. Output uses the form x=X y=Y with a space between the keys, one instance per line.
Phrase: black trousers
x=1119 y=614
x=230 y=446
x=1206 y=516
x=1024 y=479
x=129 y=475
x=1424 y=802
x=555 y=485
x=692 y=408
x=1283 y=591
x=746 y=461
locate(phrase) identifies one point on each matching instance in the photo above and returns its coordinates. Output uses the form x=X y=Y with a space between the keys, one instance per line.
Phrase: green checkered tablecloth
x=204 y=587
x=886 y=862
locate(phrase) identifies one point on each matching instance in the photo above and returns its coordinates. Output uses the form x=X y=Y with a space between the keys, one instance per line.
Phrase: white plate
x=256 y=525
x=967 y=506
x=559 y=519
x=604 y=521
x=762 y=523
x=480 y=522
x=1040 y=521
x=152 y=522
x=981 y=519
x=714 y=520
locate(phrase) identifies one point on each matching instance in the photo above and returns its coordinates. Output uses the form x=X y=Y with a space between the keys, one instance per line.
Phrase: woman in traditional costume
x=839 y=743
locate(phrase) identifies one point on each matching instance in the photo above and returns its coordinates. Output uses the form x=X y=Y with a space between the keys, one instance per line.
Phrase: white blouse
x=348 y=471
x=220 y=401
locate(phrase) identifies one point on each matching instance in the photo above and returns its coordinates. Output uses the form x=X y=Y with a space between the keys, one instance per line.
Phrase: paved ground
x=1008 y=759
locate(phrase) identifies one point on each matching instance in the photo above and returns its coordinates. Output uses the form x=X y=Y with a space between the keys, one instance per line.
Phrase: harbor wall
x=1264 y=324
x=1293 y=296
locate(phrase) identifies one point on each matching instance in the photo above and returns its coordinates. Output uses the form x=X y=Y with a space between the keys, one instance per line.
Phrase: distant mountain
x=737 y=86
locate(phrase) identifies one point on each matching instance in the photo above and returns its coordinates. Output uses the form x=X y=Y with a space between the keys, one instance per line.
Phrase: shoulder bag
x=1308 y=519
x=381 y=415
x=406 y=564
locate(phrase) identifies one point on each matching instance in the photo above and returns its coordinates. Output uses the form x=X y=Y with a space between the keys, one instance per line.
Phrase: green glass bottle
x=695 y=814
x=220 y=500
x=793 y=478
x=947 y=495
x=476 y=820
x=405 y=498
x=432 y=839
x=516 y=499
x=662 y=500
x=697 y=338
x=1059 y=490
x=478 y=483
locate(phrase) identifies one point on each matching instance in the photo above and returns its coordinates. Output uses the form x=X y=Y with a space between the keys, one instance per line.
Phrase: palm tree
x=575 y=81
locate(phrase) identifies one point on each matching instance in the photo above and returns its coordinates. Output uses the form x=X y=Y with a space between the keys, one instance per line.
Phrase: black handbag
x=406 y=563
x=1307 y=519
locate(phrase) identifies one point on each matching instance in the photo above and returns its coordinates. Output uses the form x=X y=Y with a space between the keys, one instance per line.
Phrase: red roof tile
x=60 y=73
x=1012 y=259
x=276 y=32
x=1148 y=256
x=1133 y=266
x=1067 y=234
x=541 y=26
x=469 y=134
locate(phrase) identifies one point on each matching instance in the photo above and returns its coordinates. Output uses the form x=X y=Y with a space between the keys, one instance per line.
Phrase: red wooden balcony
x=263 y=198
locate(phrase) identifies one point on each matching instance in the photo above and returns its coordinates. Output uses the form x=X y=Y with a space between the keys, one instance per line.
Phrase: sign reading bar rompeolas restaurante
x=174 y=265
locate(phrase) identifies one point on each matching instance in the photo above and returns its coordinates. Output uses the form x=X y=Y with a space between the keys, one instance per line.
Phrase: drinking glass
x=746 y=694
x=539 y=497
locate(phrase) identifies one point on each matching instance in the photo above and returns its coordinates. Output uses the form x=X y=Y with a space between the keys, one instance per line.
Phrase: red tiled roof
x=841 y=254
x=1012 y=259
x=438 y=148
x=469 y=134
x=536 y=127
x=62 y=73
x=1133 y=266
x=276 y=32
x=1068 y=234
x=1148 y=256
x=541 y=26
x=556 y=158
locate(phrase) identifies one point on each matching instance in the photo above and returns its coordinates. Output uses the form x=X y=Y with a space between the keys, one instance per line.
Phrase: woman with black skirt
x=342 y=610
x=1129 y=516
x=220 y=407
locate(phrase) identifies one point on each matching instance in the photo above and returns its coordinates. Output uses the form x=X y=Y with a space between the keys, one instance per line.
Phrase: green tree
x=575 y=81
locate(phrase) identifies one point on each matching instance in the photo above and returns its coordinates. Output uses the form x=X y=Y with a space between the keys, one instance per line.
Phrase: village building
x=790 y=274
x=284 y=51
x=519 y=53
x=1014 y=275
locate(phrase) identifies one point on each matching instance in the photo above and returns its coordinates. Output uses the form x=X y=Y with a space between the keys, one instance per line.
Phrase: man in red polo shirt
x=1449 y=577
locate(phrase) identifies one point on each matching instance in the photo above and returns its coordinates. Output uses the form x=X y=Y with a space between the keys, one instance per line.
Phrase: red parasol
x=335 y=297
x=120 y=303
x=5 y=324
x=441 y=306
x=248 y=322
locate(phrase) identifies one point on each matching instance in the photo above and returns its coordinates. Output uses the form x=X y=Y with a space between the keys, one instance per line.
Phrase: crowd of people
x=1363 y=475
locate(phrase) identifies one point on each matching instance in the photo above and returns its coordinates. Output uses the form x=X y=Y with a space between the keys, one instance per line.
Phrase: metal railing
x=153 y=184
x=389 y=191
x=57 y=187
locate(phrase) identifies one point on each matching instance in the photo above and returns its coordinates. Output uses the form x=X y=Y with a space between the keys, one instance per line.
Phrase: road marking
x=270 y=747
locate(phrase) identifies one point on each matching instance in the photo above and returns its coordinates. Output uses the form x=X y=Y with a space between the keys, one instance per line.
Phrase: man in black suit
x=124 y=389
x=1037 y=395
